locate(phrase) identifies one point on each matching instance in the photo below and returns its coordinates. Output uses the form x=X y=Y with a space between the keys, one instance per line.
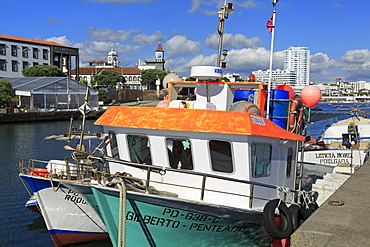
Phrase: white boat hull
x=68 y=216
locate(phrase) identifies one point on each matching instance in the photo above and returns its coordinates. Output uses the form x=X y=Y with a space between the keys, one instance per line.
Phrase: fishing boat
x=69 y=218
x=205 y=170
x=343 y=141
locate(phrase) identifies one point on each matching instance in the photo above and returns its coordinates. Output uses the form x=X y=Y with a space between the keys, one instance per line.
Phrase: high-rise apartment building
x=298 y=60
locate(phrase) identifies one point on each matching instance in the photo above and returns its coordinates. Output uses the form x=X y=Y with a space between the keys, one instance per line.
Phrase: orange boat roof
x=193 y=120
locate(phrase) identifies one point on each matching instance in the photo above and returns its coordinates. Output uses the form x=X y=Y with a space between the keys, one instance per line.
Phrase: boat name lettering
x=190 y=216
x=216 y=228
x=74 y=197
x=334 y=158
x=333 y=155
x=257 y=120
x=152 y=220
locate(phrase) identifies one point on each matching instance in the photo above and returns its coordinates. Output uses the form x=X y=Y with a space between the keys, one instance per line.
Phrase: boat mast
x=272 y=26
x=222 y=15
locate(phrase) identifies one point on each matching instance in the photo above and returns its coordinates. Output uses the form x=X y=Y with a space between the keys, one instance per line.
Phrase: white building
x=298 y=60
x=17 y=54
x=278 y=77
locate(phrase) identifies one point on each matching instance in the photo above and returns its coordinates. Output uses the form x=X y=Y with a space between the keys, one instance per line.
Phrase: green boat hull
x=160 y=221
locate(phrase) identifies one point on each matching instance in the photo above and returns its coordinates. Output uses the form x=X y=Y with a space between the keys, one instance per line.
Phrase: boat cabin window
x=289 y=162
x=113 y=144
x=139 y=148
x=261 y=159
x=179 y=153
x=221 y=158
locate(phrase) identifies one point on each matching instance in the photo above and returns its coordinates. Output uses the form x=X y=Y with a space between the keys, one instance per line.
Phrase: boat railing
x=152 y=169
x=68 y=168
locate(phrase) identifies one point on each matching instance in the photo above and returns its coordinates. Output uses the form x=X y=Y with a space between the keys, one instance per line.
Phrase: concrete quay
x=345 y=225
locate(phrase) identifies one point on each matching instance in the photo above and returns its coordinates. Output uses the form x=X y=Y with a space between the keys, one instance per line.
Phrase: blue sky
x=335 y=31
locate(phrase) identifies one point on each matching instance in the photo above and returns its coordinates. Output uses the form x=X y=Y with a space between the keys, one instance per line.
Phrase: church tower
x=159 y=58
x=112 y=59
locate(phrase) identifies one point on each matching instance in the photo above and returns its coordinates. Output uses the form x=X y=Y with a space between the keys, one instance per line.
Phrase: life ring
x=294 y=210
x=296 y=111
x=292 y=116
x=300 y=112
x=271 y=226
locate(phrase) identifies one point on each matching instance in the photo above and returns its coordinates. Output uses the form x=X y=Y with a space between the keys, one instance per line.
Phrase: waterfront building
x=298 y=59
x=17 y=54
x=278 y=77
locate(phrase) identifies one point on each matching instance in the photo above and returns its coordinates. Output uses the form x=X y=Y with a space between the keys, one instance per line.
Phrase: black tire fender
x=269 y=219
x=294 y=210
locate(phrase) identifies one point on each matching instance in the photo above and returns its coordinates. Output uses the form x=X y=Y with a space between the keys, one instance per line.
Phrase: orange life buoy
x=40 y=172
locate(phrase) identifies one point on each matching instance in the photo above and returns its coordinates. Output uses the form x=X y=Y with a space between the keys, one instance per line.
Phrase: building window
x=14 y=51
x=221 y=157
x=113 y=144
x=35 y=53
x=35 y=64
x=2 y=65
x=24 y=51
x=261 y=159
x=179 y=153
x=15 y=66
x=45 y=54
x=2 y=49
x=139 y=148
x=25 y=65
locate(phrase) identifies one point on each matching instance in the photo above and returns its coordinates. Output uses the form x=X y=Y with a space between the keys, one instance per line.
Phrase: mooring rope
x=122 y=215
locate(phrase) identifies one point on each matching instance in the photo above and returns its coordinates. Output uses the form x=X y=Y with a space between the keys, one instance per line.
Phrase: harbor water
x=18 y=225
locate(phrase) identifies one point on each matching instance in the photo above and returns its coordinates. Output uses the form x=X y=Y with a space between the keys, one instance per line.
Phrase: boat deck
x=345 y=225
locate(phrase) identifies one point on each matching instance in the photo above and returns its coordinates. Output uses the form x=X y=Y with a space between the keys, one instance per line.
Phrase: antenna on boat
x=222 y=15
x=84 y=109
x=271 y=29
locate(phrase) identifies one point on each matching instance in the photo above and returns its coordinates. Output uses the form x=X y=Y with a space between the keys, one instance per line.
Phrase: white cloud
x=106 y=34
x=204 y=6
x=357 y=63
x=147 y=40
x=95 y=50
x=321 y=62
x=60 y=40
x=232 y=41
x=52 y=21
x=179 y=45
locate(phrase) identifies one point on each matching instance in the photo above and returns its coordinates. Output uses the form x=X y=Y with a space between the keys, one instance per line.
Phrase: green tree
x=43 y=70
x=6 y=93
x=104 y=96
x=149 y=76
x=109 y=78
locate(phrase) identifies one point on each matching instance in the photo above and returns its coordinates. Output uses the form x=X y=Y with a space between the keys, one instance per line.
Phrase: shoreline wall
x=36 y=116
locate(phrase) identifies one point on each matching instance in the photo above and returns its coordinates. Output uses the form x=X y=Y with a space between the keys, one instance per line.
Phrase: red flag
x=269 y=25
x=275 y=1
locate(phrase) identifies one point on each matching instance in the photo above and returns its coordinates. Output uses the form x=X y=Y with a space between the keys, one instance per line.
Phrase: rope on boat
x=122 y=215
x=52 y=185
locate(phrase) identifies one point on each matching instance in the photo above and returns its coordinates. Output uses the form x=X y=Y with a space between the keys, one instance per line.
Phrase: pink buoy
x=286 y=88
x=310 y=95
